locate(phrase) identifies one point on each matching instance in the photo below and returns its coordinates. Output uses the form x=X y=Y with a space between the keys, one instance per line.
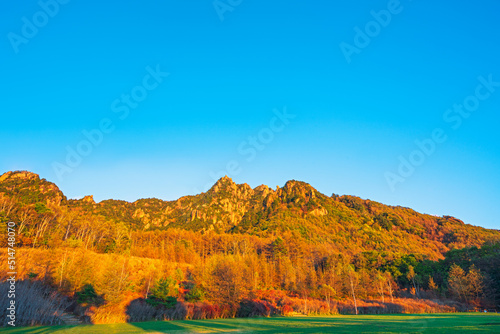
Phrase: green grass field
x=430 y=323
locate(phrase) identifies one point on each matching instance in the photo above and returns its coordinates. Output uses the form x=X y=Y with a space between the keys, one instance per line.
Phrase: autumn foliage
x=237 y=251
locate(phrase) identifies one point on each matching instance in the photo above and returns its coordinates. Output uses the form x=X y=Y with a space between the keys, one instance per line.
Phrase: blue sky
x=68 y=68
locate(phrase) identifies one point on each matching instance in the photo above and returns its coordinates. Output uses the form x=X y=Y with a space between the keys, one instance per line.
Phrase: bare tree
x=380 y=284
x=412 y=277
x=41 y=228
x=352 y=276
x=388 y=277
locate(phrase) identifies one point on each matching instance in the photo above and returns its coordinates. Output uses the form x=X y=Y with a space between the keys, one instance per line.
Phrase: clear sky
x=363 y=80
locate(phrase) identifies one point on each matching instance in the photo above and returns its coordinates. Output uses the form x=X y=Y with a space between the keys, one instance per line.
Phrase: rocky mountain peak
x=298 y=188
x=297 y=191
x=226 y=187
x=22 y=175
x=88 y=199
x=263 y=190
x=223 y=182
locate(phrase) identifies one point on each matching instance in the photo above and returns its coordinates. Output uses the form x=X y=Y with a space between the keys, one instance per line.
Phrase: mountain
x=347 y=223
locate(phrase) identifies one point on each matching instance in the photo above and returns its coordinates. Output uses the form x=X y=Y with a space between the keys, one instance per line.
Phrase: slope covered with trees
x=240 y=251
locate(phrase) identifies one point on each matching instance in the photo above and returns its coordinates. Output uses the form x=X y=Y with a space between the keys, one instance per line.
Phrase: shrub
x=162 y=293
x=256 y=308
x=168 y=302
x=36 y=304
x=195 y=294
x=87 y=295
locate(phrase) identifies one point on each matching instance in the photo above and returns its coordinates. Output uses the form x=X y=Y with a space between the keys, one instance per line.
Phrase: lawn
x=430 y=323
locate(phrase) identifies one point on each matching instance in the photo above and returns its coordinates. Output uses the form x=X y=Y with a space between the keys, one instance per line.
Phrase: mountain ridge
x=298 y=209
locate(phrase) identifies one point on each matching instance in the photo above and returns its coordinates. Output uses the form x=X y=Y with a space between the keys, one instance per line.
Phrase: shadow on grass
x=47 y=329
x=401 y=323
x=158 y=326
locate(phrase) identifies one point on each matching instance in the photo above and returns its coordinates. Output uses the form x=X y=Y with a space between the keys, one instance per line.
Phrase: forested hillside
x=235 y=250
